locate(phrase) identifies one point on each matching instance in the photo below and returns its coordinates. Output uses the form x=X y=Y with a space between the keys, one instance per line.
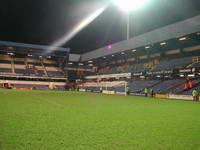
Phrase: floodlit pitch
x=50 y=120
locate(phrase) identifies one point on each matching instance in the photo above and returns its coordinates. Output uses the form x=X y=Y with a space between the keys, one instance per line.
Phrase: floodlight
x=147 y=47
x=183 y=38
x=163 y=43
x=129 y=5
x=134 y=50
x=11 y=54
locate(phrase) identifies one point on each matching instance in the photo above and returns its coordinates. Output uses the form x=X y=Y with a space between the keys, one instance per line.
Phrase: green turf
x=49 y=120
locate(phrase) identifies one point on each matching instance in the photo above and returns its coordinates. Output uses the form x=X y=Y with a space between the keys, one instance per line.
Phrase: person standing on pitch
x=127 y=90
x=101 y=89
x=146 y=92
x=151 y=92
x=195 y=95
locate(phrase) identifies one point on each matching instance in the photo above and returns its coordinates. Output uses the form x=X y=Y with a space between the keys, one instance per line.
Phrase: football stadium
x=137 y=92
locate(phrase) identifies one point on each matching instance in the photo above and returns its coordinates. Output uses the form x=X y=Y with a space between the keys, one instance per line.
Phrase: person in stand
x=195 y=95
x=191 y=84
x=146 y=92
x=186 y=85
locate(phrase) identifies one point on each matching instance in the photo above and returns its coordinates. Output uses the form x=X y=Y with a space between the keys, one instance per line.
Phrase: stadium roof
x=31 y=49
x=32 y=46
x=176 y=30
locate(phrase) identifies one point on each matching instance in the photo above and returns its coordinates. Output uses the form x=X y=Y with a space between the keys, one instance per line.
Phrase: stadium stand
x=5 y=64
x=165 y=70
x=175 y=86
x=29 y=67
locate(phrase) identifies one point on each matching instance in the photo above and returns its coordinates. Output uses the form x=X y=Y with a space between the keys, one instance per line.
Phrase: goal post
x=125 y=88
x=121 y=88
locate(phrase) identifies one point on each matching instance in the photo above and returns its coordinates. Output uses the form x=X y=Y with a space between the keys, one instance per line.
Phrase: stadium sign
x=160 y=72
x=120 y=75
x=120 y=93
x=82 y=90
x=137 y=94
x=184 y=97
x=137 y=74
x=190 y=70
x=108 y=92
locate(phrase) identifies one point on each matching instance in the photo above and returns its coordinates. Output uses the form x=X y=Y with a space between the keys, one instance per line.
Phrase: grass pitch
x=50 y=120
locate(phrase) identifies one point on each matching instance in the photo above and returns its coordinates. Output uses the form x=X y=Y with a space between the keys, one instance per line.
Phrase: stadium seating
x=5 y=61
x=19 y=62
x=138 y=86
x=165 y=86
x=57 y=74
x=24 y=71
x=166 y=64
x=5 y=64
x=29 y=67
x=53 y=69
x=173 y=64
x=196 y=87
x=5 y=70
x=40 y=73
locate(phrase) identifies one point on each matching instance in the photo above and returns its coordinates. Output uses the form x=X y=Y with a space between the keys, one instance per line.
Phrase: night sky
x=45 y=21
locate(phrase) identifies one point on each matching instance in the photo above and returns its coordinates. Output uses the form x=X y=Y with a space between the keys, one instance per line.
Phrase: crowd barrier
x=183 y=97
x=24 y=88
x=82 y=90
x=108 y=92
x=120 y=93
x=161 y=96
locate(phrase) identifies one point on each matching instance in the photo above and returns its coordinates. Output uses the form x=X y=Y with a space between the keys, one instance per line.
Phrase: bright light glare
x=80 y=26
x=129 y=5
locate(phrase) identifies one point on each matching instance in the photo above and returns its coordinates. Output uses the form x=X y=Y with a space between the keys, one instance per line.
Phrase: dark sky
x=45 y=21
